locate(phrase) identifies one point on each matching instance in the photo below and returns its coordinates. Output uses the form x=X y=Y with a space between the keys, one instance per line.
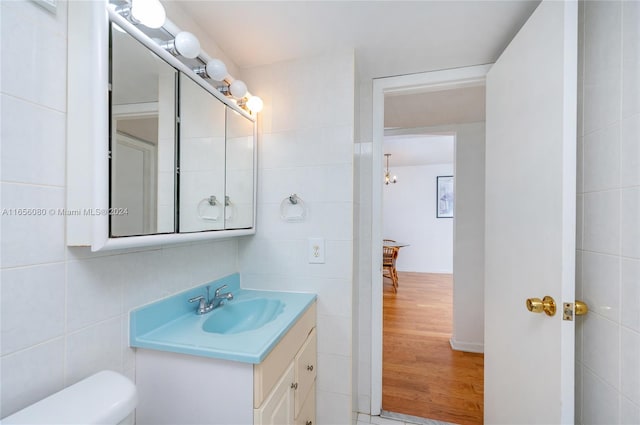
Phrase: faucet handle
x=202 y=305
x=220 y=289
x=195 y=299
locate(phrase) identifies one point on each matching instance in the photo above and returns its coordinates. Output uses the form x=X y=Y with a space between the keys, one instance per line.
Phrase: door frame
x=404 y=84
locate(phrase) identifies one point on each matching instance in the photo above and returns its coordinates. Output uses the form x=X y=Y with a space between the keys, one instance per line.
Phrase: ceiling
x=388 y=37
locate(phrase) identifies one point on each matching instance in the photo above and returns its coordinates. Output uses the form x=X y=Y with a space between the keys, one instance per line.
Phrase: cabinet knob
x=308 y=423
x=310 y=368
x=294 y=385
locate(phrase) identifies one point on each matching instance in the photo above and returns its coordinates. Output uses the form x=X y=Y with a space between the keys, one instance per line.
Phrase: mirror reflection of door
x=142 y=140
x=134 y=183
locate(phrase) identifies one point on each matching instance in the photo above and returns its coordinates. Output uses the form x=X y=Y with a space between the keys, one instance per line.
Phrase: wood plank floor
x=422 y=376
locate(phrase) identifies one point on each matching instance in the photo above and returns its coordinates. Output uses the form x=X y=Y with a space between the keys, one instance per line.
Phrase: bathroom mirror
x=240 y=149
x=142 y=139
x=202 y=159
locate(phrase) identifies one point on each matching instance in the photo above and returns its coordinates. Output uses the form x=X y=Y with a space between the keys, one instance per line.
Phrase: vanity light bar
x=152 y=45
x=236 y=88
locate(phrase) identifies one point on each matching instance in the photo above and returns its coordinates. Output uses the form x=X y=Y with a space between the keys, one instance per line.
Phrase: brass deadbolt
x=581 y=308
x=537 y=305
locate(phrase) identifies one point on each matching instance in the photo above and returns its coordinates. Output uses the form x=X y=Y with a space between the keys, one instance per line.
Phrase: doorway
x=425 y=82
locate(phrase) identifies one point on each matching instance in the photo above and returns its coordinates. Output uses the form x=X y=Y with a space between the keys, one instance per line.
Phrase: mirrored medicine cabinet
x=179 y=159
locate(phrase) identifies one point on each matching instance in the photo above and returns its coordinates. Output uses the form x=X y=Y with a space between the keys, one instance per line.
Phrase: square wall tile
x=33 y=143
x=601 y=284
x=602 y=64
x=578 y=394
x=26 y=27
x=93 y=349
x=630 y=151
x=630 y=413
x=579 y=278
x=630 y=366
x=630 y=216
x=630 y=284
x=601 y=349
x=601 y=222
x=32 y=239
x=333 y=408
x=602 y=159
x=600 y=404
x=630 y=58
x=31 y=375
x=94 y=290
x=334 y=335
x=336 y=373
x=579 y=221
x=33 y=305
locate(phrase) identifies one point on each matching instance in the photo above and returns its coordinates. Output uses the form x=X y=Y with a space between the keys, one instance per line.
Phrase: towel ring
x=229 y=209
x=293 y=208
x=209 y=209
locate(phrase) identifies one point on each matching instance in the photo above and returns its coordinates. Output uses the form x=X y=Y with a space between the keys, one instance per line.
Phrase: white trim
x=426 y=81
x=470 y=347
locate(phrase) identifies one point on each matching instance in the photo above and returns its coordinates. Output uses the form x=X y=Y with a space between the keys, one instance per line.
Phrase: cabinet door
x=278 y=408
x=307 y=415
x=306 y=369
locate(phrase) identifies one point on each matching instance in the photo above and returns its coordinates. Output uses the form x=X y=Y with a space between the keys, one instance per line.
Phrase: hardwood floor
x=421 y=375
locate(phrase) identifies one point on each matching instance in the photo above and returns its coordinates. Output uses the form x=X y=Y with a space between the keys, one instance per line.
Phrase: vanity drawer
x=306 y=369
x=268 y=373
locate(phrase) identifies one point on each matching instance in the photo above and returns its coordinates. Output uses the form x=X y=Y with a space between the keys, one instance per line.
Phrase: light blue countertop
x=173 y=325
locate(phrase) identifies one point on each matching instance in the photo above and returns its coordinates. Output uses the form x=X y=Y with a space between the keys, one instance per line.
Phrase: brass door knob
x=581 y=308
x=537 y=305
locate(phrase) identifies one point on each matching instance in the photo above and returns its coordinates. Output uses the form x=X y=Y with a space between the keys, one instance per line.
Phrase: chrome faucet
x=206 y=304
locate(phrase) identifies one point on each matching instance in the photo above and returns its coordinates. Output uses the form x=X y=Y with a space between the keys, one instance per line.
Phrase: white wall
x=64 y=310
x=409 y=216
x=608 y=233
x=306 y=147
x=468 y=254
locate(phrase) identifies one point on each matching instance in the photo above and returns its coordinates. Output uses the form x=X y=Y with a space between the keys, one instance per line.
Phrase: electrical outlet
x=316 y=250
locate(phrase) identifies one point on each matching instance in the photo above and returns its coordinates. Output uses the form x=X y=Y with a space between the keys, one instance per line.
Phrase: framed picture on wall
x=444 y=200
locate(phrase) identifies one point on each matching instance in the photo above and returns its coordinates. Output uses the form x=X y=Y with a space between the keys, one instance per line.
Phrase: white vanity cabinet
x=177 y=388
x=284 y=383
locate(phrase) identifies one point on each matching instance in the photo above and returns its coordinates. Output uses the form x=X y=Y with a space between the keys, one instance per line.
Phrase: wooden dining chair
x=389 y=257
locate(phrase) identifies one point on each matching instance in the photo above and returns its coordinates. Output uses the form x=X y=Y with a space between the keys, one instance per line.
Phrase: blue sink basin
x=242 y=316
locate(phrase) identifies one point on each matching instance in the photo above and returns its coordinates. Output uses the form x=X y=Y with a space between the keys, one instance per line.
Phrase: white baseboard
x=471 y=347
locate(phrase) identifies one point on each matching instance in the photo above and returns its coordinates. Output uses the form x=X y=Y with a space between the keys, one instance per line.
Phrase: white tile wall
x=64 y=311
x=608 y=275
x=309 y=151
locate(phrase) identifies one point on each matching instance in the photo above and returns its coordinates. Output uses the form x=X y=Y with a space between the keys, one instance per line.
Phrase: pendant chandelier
x=388 y=178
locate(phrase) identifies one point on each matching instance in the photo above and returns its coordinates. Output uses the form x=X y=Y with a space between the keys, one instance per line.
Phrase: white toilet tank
x=106 y=398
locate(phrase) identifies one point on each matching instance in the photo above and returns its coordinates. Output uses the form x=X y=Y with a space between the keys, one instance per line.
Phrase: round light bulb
x=187 y=45
x=217 y=70
x=238 y=89
x=255 y=104
x=149 y=13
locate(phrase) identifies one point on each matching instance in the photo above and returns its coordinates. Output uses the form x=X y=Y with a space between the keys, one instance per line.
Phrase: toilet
x=106 y=398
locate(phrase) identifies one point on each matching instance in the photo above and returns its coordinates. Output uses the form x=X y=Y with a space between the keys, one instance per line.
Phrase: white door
x=530 y=220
